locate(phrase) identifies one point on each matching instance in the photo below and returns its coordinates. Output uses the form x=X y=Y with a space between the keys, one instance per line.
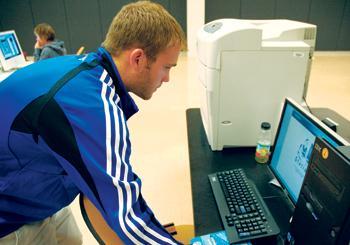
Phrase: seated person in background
x=46 y=45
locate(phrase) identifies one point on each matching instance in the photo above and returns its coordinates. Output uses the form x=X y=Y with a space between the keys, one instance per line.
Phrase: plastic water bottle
x=262 y=152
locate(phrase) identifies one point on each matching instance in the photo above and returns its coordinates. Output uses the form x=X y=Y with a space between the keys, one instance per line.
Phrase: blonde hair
x=46 y=31
x=145 y=25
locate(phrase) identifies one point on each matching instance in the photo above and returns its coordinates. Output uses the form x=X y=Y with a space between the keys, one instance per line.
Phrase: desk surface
x=204 y=161
x=4 y=75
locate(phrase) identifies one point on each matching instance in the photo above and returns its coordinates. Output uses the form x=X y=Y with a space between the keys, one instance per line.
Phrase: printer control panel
x=212 y=27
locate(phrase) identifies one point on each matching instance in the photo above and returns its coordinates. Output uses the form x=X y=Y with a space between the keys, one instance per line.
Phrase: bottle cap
x=265 y=125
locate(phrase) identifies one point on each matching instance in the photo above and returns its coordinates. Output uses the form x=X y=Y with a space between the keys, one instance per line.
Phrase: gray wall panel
x=178 y=9
x=84 y=24
x=344 y=35
x=327 y=15
x=332 y=17
x=164 y=3
x=258 y=9
x=293 y=9
x=52 y=12
x=77 y=23
x=17 y=15
x=218 y=9
x=109 y=8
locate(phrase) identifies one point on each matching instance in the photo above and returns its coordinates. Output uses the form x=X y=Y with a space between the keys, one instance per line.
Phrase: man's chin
x=145 y=96
x=148 y=97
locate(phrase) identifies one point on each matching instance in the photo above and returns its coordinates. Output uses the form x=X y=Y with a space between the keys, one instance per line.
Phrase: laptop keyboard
x=243 y=211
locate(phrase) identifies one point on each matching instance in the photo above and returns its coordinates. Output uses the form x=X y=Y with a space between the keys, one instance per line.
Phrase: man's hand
x=170 y=228
x=37 y=45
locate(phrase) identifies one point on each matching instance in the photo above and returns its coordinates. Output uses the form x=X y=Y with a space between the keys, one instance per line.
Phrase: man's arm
x=91 y=142
x=36 y=54
x=98 y=226
x=43 y=53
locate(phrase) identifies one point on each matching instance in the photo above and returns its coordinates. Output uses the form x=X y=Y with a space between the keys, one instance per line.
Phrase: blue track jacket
x=63 y=131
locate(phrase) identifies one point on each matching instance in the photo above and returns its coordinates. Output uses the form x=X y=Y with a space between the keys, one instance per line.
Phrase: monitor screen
x=11 y=55
x=9 y=46
x=293 y=146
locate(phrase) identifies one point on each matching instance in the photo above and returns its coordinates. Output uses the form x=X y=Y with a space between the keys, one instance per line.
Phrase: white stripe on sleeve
x=116 y=180
x=109 y=159
x=128 y=190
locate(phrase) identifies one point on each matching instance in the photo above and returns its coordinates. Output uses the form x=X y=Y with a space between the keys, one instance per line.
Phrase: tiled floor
x=159 y=137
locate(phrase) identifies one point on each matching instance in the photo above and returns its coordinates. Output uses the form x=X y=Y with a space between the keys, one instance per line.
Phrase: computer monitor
x=11 y=55
x=295 y=137
x=324 y=202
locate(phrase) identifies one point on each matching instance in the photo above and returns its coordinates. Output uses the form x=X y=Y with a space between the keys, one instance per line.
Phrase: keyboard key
x=238 y=210
x=254 y=233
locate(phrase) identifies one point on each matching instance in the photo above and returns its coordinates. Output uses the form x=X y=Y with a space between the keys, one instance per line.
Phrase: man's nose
x=166 y=78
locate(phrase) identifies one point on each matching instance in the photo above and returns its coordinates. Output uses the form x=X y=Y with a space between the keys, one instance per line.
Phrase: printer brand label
x=298 y=54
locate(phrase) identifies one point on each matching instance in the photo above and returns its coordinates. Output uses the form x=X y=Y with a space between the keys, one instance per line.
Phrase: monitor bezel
x=13 y=62
x=318 y=123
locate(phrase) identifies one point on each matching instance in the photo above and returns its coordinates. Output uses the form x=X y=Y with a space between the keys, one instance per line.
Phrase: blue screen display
x=293 y=147
x=9 y=46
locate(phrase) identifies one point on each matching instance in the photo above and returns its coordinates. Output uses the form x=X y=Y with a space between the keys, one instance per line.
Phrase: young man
x=63 y=131
x=46 y=45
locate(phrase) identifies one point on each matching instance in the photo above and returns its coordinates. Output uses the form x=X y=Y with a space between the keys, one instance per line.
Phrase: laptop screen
x=294 y=142
x=11 y=55
x=9 y=46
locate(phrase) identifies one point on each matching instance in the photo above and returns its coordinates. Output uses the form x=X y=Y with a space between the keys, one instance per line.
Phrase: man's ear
x=137 y=58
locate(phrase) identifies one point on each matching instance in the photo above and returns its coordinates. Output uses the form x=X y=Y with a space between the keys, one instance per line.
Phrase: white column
x=195 y=20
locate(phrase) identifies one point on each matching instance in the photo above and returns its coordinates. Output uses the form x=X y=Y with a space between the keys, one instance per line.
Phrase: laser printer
x=246 y=69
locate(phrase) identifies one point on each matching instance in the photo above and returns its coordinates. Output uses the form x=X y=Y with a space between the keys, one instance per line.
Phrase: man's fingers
x=170 y=228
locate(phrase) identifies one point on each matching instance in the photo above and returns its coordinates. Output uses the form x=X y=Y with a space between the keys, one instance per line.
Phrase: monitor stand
x=276 y=183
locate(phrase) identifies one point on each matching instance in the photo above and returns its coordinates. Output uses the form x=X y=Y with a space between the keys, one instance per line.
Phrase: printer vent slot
x=309 y=34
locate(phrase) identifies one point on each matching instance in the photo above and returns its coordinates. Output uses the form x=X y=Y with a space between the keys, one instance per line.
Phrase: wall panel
x=332 y=17
x=222 y=9
x=258 y=9
x=178 y=9
x=293 y=9
x=77 y=23
x=109 y=8
x=164 y=3
x=17 y=15
x=327 y=15
x=344 y=35
x=84 y=24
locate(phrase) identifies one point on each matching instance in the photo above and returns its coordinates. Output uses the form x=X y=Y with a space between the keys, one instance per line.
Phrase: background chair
x=80 y=50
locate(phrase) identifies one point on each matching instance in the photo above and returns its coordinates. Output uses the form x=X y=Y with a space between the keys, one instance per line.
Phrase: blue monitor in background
x=294 y=142
x=11 y=55
x=9 y=45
